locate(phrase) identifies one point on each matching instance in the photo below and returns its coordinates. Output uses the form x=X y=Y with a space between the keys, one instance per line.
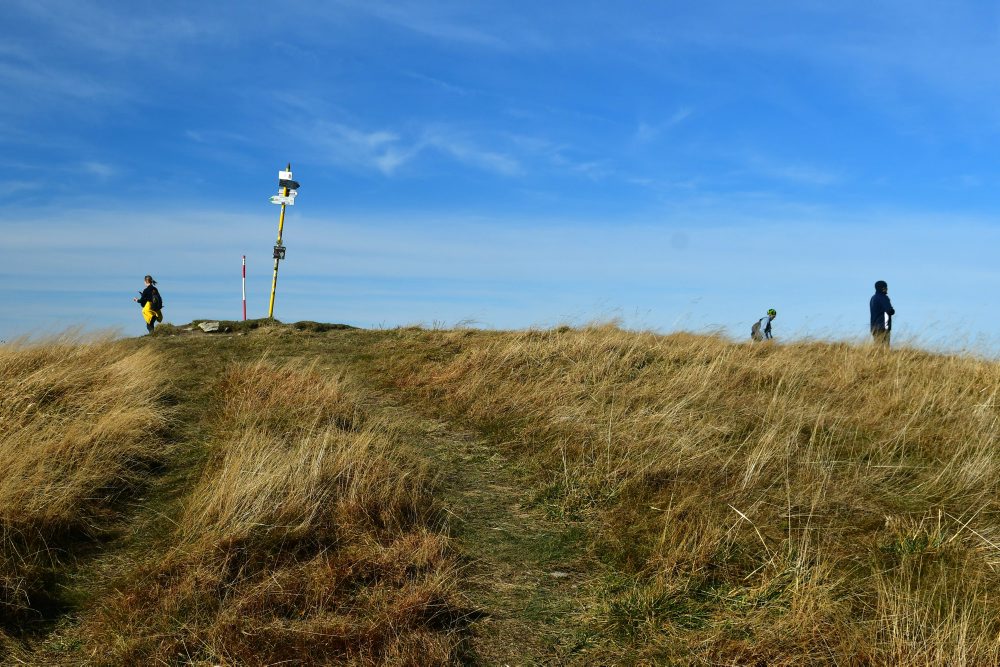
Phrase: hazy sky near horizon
x=512 y=164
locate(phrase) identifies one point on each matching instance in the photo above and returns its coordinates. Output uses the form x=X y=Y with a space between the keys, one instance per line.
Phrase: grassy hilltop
x=316 y=495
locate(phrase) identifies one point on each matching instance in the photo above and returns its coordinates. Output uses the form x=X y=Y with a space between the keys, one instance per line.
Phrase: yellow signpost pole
x=277 y=256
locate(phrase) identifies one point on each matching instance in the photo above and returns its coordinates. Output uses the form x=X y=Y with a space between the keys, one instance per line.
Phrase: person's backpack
x=155 y=300
x=755 y=332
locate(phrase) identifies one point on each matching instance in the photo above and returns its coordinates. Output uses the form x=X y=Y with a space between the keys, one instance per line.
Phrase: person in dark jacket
x=881 y=312
x=151 y=303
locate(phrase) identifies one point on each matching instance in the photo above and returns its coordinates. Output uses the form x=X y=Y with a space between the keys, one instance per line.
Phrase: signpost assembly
x=288 y=190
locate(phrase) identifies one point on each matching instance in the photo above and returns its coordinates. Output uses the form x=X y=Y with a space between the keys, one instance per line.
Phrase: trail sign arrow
x=288 y=183
x=279 y=199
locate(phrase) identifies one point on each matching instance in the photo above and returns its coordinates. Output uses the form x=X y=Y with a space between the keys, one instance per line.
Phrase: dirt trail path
x=524 y=568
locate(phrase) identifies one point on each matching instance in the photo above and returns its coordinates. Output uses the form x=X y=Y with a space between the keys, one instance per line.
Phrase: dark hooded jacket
x=147 y=296
x=880 y=307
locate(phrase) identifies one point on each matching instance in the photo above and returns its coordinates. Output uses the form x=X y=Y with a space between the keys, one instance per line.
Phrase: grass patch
x=229 y=326
x=309 y=539
x=320 y=327
x=744 y=490
x=81 y=422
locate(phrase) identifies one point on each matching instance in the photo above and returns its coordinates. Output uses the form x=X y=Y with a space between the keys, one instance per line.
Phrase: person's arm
x=767 y=329
x=888 y=307
x=144 y=297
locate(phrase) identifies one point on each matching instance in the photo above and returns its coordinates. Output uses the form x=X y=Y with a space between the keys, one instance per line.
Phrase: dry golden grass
x=78 y=421
x=782 y=505
x=308 y=540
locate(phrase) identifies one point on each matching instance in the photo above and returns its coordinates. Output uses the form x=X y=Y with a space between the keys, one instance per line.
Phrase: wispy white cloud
x=595 y=170
x=101 y=170
x=112 y=31
x=563 y=156
x=762 y=167
x=381 y=150
x=28 y=79
x=987 y=180
x=466 y=151
x=215 y=136
x=660 y=184
x=437 y=21
x=387 y=151
x=10 y=188
x=53 y=177
x=439 y=83
x=794 y=172
x=648 y=132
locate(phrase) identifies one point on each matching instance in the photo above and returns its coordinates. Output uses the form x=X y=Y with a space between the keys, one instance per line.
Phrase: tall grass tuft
x=765 y=504
x=78 y=423
x=309 y=539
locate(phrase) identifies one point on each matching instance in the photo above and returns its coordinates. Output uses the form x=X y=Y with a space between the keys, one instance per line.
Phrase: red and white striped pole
x=244 y=288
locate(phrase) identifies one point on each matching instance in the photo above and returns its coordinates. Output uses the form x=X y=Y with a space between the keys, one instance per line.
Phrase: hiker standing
x=882 y=312
x=151 y=303
x=761 y=329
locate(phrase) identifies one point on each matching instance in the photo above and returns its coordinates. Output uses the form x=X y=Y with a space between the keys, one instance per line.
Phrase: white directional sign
x=284 y=175
x=278 y=199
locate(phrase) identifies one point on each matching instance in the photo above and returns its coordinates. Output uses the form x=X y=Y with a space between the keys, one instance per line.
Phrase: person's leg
x=150 y=325
x=881 y=338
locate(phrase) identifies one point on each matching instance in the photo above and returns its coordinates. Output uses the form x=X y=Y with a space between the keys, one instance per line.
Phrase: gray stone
x=209 y=327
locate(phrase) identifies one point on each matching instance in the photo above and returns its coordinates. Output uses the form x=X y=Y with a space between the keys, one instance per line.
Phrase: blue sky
x=679 y=166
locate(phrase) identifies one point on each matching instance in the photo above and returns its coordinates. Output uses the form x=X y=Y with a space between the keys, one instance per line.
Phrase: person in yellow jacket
x=152 y=304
